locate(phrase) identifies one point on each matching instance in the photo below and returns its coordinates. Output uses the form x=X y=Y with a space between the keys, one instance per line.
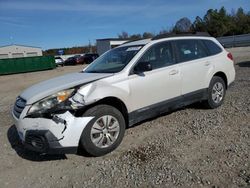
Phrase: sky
x=67 y=23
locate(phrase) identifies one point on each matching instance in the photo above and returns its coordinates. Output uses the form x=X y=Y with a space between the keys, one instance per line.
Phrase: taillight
x=230 y=56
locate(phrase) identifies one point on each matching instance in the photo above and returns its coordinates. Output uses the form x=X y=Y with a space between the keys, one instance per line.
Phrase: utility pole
x=11 y=40
x=90 y=47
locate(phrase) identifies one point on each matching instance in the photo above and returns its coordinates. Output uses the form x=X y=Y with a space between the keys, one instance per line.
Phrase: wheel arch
x=223 y=76
x=117 y=103
x=111 y=101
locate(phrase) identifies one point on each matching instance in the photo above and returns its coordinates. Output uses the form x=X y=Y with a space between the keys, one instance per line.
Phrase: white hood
x=49 y=87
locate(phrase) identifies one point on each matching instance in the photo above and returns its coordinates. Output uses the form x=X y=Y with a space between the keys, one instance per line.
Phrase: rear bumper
x=59 y=63
x=231 y=77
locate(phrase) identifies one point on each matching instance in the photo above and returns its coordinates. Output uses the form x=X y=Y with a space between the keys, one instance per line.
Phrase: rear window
x=190 y=49
x=212 y=47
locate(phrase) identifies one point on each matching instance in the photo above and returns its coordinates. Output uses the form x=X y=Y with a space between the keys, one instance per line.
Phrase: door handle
x=207 y=63
x=173 y=72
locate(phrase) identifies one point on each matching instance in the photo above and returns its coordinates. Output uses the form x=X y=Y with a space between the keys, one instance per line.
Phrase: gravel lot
x=191 y=147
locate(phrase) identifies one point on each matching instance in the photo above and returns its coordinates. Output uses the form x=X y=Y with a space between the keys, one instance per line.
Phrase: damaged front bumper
x=58 y=135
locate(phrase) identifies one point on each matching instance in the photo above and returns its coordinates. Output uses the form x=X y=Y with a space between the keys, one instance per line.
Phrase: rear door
x=195 y=66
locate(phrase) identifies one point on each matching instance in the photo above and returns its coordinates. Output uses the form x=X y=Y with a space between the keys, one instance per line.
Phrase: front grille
x=19 y=106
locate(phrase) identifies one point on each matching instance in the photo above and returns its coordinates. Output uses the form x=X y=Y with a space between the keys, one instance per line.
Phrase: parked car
x=59 y=61
x=89 y=58
x=72 y=60
x=136 y=81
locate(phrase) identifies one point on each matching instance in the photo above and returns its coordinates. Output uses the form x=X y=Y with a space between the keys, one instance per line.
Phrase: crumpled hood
x=51 y=86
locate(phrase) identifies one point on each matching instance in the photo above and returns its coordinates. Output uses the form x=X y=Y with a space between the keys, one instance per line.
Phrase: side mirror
x=143 y=67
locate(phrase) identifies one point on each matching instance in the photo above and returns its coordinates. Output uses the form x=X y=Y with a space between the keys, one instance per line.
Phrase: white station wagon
x=90 y=110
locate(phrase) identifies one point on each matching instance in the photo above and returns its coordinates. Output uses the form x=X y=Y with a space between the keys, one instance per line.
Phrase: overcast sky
x=67 y=23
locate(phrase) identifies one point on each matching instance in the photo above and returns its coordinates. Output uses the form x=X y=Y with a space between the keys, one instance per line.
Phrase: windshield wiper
x=92 y=72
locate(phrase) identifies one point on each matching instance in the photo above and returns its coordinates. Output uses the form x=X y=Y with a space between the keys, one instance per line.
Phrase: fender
x=99 y=90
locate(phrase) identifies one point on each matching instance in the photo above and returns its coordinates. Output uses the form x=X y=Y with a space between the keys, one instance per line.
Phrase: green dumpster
x=26 y=64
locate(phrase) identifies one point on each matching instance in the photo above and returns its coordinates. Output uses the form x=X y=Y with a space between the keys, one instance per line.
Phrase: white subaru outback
x=138 y=80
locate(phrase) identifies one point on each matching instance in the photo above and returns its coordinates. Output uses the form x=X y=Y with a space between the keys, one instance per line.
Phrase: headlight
x=50 y=101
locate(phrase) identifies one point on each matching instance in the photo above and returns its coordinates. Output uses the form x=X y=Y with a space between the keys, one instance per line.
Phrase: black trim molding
x=166 y=106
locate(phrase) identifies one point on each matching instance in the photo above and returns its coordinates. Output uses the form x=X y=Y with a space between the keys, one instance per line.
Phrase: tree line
x=73 y=50
x=215 y=22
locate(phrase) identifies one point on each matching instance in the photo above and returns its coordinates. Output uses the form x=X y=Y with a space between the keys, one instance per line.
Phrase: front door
x=152 y=90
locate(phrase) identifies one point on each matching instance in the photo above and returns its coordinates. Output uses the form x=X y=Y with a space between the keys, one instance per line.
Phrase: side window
x=190 y=50
x=159 y=55
x=212 y=47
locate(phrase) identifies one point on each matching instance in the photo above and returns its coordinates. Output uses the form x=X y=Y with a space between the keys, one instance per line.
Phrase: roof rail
x=167 y=35
x=134 y=40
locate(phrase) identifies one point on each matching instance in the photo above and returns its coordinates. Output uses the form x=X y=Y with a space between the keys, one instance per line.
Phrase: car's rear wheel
x=216 y=92
x=104 y=132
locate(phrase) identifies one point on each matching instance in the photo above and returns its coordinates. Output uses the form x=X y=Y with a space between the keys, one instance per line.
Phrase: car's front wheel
x=216 y=92
x=104 y=132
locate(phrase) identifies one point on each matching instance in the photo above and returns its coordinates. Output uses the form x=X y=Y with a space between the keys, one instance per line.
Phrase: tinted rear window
x=212 y=47
x=190 y=49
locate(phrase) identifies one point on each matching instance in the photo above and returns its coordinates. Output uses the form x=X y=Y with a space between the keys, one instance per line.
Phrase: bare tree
x=183 y=25
x=123 y=35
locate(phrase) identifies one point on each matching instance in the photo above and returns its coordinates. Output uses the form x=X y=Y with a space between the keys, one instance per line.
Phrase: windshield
x=114 y=60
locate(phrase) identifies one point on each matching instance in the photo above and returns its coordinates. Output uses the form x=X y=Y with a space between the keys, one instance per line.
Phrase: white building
x=104 y=45
x=15 y=51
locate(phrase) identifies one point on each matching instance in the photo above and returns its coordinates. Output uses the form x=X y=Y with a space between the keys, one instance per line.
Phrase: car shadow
x=26 y=154
x=244 y=64
x=197 y=105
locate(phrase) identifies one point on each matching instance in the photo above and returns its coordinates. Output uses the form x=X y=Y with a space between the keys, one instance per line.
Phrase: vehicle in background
x=72 y=60
x=81 y=59
x=89 y=58
x=59 y=61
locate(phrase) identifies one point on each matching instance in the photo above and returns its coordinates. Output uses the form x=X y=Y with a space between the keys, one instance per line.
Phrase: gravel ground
x=191 y=147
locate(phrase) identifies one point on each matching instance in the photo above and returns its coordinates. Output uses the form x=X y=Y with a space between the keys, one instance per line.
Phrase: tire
x=215 y=99
x=100 y=137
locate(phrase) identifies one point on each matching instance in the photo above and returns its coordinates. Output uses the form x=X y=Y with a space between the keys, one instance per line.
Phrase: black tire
x=210 y=103
x=98 y=112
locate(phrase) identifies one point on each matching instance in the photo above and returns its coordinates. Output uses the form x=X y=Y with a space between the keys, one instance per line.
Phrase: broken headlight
x=50 y=101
